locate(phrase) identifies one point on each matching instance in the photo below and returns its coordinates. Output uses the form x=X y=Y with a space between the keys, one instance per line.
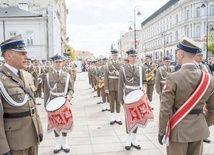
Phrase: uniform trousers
x=150 y=89
x=188 y=148
x=33 y=150
x=57 y=135
x=38 y=92
x=135 y=131
x=113 y=97
x=98 y=91
x=104 y=95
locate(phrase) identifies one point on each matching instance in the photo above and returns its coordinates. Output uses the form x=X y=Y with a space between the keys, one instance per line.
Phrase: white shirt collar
x=60 y=71
x=14 y=70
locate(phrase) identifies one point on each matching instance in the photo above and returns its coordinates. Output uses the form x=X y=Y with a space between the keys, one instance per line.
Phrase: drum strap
x=184 y=110
x=55 y=85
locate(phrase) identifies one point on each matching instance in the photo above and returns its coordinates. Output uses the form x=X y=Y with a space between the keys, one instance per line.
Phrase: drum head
x=55 y=104
x=133 y=96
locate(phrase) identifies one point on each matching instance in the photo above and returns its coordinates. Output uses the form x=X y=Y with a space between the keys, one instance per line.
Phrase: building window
x=198 y=12
x=176 y=36
x=187 y=32
x=12 y=34
x=176 y=19
x=198 y=31
x=212 y=10
x=187 y=14
x=29 y=38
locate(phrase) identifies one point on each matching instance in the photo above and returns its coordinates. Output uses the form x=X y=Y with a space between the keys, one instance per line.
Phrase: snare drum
x=138 y=111
x=60 y=115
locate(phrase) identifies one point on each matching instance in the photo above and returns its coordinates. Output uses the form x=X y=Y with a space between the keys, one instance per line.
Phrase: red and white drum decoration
x=137 y=110
x=60 y=115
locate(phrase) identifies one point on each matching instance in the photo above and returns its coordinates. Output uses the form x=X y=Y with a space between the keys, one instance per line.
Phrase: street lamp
x=205 y=4
x=137 y=8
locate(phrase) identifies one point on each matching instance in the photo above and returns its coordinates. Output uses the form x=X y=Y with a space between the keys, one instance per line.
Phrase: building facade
x=161 y=31
x=55 y=12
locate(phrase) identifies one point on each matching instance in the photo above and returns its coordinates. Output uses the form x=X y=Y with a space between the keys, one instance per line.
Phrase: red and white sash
x=184 y=110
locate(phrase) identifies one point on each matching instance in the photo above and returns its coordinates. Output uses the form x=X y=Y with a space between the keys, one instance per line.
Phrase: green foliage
x=71 y=52
x=211 y=43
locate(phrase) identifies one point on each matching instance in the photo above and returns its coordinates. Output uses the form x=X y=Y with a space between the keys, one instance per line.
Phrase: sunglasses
x=133 y=56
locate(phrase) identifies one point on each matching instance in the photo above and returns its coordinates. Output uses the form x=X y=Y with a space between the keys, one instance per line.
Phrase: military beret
x=43 y=60
x=104 y=59
x=131 y=52
x=166 y=59
x=199 y=52
x=15 y=43
x=29 y=60
x=114 y=52
x=189 y=45
x=148 y=56
x=57 y=57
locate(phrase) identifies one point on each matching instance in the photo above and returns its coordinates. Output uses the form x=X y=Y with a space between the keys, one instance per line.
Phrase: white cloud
x=97 y=13
x=96 y=24
x=95 y=38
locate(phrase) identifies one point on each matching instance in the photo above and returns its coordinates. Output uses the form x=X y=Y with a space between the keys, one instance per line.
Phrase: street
x=92 y=133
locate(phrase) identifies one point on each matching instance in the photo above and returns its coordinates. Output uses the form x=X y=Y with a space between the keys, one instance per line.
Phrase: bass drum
x=60 y=115
x=138 y=111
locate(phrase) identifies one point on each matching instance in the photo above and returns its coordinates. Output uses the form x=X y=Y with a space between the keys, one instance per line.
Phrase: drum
x=137 y=110
x=60 y=115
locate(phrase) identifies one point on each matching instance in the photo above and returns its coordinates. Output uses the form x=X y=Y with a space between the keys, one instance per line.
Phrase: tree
x=211 y=43
x=71 y=52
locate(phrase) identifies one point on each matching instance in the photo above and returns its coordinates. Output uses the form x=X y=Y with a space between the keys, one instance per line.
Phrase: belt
x=195 y=111
x=113 y=77
x=57 y=94
x=163 y=82
x=20 y=115
x=132 y=87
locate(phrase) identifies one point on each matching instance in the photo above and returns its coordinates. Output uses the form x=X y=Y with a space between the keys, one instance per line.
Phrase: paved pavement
x=93 y=135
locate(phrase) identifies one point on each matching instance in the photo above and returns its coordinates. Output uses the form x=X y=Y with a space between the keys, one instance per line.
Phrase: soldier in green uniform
x=150 y=70
x=130 y=80
x=54 y=86
x=32 y=70
x=161 y=74
x=21 y=128
x=111 y=86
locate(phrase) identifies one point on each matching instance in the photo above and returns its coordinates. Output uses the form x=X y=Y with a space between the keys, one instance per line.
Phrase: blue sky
x=93 y=25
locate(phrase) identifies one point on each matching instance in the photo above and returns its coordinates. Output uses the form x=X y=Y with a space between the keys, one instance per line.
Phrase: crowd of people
x=186 y=93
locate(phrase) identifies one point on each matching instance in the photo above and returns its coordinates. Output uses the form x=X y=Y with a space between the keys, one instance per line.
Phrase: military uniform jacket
x=161 y=77
x=110 y=82
x=73 y=70
x=18 y=133
x=179 y=87
x=61 y=82
x=33 y=72
x=132 y=79
x=149 y=68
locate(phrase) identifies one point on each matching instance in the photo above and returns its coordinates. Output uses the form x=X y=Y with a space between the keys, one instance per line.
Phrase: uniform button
x=9 y=128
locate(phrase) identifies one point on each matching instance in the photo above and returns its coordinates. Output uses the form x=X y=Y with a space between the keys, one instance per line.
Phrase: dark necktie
x=19 y=74
x=57 y=73
x=133 y=68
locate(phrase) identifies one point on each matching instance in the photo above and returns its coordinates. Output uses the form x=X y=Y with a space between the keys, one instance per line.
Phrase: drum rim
x=133 y=100
x=60 y=105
